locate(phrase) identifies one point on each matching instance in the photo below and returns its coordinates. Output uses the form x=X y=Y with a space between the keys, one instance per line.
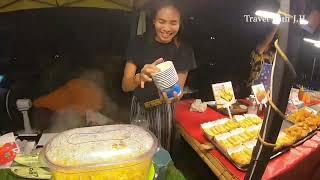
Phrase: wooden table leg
x=214 y=164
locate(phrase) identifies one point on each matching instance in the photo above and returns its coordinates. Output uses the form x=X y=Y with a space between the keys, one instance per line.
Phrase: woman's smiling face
x=167 y=24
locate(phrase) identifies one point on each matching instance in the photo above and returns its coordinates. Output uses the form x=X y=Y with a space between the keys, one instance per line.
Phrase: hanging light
x=303 y=22
x=312 y=41
x=276 y=21
x=268 y=14
x=276 y=18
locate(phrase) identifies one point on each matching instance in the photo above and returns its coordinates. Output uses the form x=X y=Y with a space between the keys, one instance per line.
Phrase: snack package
x=8 y=150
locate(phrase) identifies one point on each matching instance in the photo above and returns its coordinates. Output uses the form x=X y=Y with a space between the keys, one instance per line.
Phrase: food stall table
x=300 y=162
x=161 y=159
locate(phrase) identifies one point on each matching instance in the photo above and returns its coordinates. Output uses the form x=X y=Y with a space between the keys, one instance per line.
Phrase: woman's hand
x=147 y=70
x=182 y=79
x=175 y=99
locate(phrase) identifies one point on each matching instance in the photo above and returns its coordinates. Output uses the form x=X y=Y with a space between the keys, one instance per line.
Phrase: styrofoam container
x=167 y=79
x=165 y=65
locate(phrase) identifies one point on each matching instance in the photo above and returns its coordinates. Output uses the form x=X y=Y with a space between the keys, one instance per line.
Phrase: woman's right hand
x=147 y=70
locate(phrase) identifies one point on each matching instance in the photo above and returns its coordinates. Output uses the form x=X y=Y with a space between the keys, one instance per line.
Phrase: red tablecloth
x=300 y=162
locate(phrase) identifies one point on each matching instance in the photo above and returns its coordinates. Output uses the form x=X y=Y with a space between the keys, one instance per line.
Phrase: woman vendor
x=261 y=61
x=143 y=54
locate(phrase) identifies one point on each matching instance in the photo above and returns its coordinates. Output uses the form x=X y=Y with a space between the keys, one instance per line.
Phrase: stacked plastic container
x=103 y=152
x=167 y=79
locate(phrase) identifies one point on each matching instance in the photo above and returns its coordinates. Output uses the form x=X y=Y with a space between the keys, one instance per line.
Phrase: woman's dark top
x=143 y=51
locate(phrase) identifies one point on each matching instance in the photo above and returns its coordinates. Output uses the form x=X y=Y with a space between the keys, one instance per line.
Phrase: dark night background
x=42 y=49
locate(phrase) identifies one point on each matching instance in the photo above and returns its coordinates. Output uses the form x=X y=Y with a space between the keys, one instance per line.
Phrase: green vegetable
x=30 y=172
x=173 y=173
x=31 y=160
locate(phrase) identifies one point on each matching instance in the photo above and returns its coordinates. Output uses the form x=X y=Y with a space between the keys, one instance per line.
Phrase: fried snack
x=300 y=115
x=222 y=128
x=210 y=132
x=248 y=151
x=255 y=120
x=245 y=136
x=251 y=134
x=218 y=127
x=238 y=139
x=241 y=158
x=313 y=121
x=232 y=124
x=250 y=121
x=284 y=140
x=298 y=131
x=234 y=140
x=225 y=144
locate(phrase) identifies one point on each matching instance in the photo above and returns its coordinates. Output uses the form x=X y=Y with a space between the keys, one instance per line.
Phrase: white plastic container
x=102 y=152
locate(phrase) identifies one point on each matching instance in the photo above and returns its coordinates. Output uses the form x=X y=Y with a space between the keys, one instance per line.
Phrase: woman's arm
x=130 y=80
x=182 y=78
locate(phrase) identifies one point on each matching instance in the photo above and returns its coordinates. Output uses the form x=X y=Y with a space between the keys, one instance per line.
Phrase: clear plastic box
x=104 y=152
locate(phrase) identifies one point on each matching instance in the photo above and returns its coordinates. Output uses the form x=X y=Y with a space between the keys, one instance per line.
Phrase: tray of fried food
x=222 y=141
x=313 y=122
x=240 y=155
x=236 y=137
x=230 y=139
x=253 y=131
x=210 y=127
x=298 y=131
x=284 y=140
x=301 y=115
x=220 y=126
x=238 y=147
x=248 y=120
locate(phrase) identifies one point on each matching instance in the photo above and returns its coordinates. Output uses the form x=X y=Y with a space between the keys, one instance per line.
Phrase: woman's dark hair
x=155 y=6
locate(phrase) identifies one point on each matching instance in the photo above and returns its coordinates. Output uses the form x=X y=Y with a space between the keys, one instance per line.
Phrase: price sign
x=223 y=94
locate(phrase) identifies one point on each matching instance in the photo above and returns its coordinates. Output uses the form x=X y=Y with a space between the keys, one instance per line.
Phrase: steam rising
x=95 y=107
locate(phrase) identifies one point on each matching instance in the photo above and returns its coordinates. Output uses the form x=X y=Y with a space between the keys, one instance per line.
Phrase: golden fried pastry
x=245 y=136
x=250 y=121
x=284 y=141
x=225 y=144
x=234 y=140
x=298 y=131
x=232 y=124
x=241 y=158
x=248 y=151
x=251 y=134
x=256 y=120
x=300 y=115
x=213 y=131
x=313 y=121
x=209 y=132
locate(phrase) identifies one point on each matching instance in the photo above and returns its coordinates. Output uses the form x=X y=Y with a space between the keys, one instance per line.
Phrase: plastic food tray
x=285 y=124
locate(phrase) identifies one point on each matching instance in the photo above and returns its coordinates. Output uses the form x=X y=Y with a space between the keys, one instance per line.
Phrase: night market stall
x=271 y=134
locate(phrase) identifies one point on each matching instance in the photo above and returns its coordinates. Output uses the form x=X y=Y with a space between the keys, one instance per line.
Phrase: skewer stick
x=229 y=112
